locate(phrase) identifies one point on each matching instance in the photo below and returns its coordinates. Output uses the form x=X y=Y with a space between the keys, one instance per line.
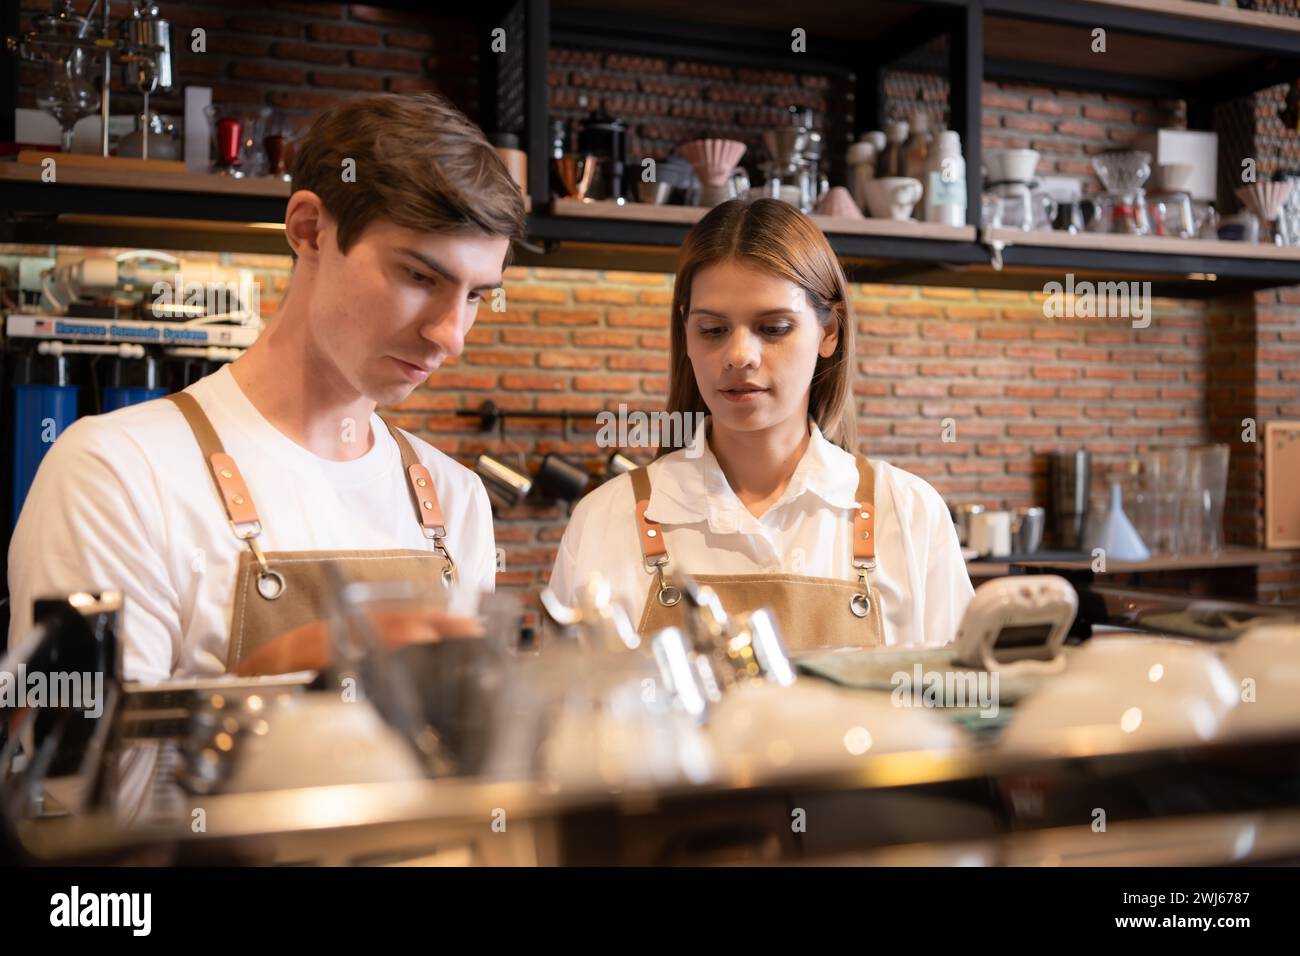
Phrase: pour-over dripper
x=715 y=162
x=785 y=144
x=1266 y=200
x=1122 y=170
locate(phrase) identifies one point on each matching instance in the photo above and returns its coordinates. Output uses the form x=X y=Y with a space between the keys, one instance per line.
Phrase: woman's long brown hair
x=774 y=236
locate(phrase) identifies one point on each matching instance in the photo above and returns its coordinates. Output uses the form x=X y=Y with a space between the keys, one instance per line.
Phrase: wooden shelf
x=892 y=228
x=122 y=205
x=1207 y=12
x=1118 y=242
x=822 y=18
x=129 y=176
x=689 y=215
x=1227 y=558
x=839 y=225
x=627 y=212
x=126 y=178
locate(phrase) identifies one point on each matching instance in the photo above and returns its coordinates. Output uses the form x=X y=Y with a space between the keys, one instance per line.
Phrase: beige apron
x=811 y=612
x=278 y=591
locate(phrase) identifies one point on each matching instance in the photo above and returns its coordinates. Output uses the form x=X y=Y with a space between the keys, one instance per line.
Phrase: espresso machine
x=690 y=746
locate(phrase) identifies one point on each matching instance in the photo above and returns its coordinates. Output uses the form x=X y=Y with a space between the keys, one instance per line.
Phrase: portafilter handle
x=707 y=617
x=597 y=620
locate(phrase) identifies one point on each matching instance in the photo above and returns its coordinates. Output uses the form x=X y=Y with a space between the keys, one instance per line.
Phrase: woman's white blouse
x=920 y=575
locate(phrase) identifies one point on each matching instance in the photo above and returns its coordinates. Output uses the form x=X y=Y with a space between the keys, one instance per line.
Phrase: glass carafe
x=781 y=179
x=66 y=91
x=1123 y=213
x=1170 y=214
x=1023 y=207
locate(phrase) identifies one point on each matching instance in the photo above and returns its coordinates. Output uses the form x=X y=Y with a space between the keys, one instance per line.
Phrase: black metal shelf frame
x=959 y=24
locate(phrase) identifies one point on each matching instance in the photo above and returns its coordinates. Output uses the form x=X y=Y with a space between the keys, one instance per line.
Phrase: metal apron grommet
x=860 y=605
x=270 y=584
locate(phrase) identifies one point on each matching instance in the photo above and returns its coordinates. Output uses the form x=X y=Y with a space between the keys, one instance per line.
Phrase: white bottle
x=945 y=187
x=933 y=161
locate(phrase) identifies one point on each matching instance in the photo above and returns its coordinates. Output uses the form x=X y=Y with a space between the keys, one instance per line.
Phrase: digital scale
x=1017 y=624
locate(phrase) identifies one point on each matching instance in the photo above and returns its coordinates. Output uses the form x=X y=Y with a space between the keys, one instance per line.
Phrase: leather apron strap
x=225 y=473
x=649 y=534
x=864 y=536
x=864 y=514
x=423 y=495
x=239 y=503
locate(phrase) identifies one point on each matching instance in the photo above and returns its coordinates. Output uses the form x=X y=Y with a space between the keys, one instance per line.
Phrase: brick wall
x=1017 y=384
x=1260 y=354
x=1268 y=389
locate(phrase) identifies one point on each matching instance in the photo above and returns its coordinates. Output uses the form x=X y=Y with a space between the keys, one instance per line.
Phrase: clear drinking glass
x=1213 y=488
x=1166 y=469
x=1095 y=522
x=1138 y=501
x=1191 y=517
x=1179 y=498
x=1155 y=480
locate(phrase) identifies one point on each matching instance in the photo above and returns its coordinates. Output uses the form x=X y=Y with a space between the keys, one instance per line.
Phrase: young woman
x=771 y=505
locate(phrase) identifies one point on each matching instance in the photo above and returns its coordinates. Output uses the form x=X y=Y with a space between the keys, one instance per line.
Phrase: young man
x=220 y=513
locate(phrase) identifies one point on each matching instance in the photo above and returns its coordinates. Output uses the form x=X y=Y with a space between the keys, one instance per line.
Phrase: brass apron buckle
x=270 y=583
x=668 y=595
x=860 y=604
x=437 y=535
